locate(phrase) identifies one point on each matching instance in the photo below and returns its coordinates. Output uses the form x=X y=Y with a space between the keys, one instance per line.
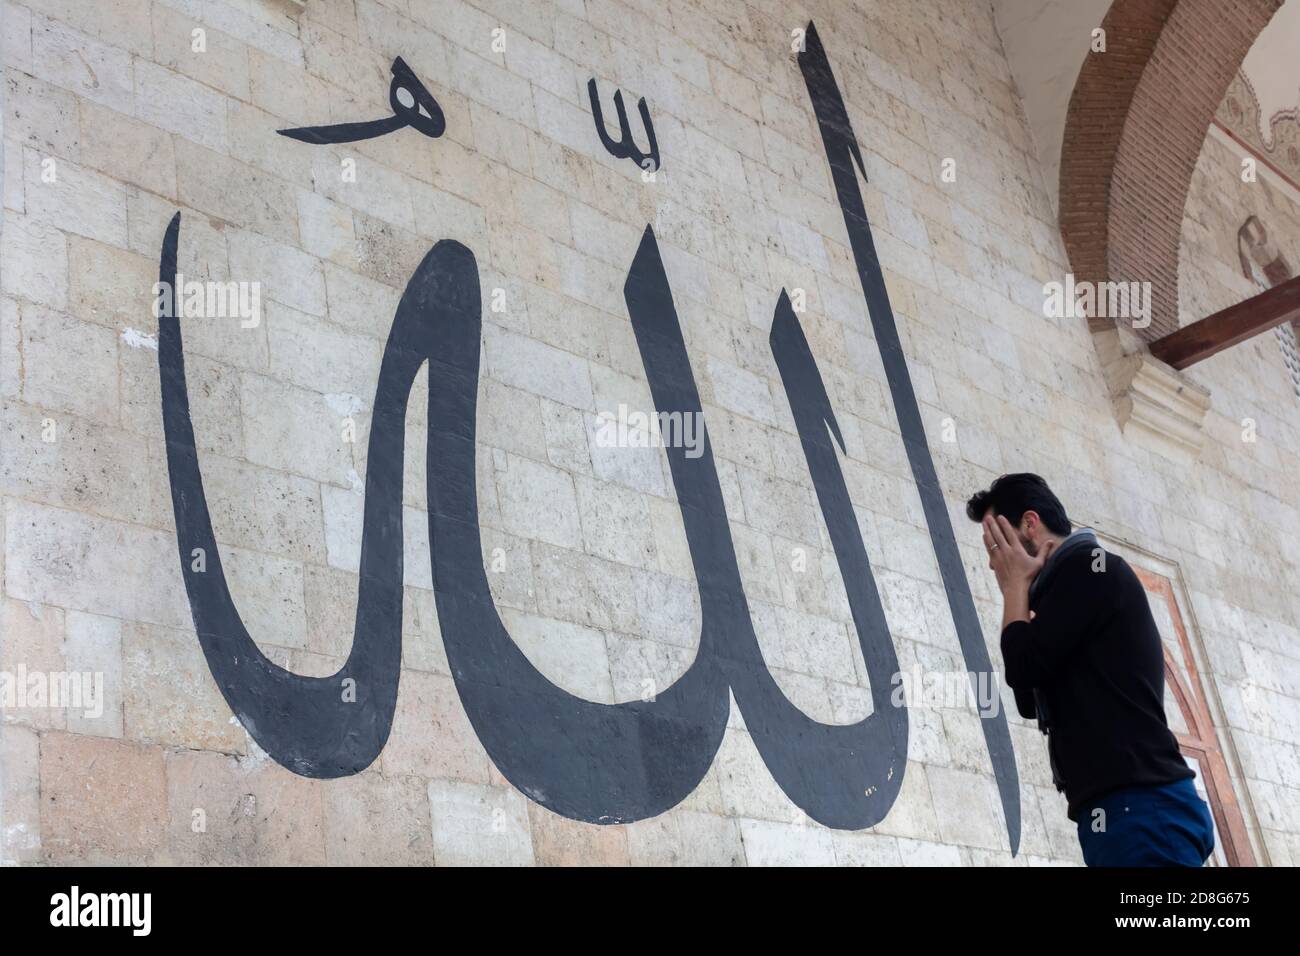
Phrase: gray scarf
x=1082 y=538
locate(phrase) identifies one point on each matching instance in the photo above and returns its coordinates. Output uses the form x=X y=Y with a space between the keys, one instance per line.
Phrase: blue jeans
x=1168 y=825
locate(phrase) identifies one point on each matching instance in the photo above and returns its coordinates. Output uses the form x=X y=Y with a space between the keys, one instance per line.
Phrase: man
x=1082 y=654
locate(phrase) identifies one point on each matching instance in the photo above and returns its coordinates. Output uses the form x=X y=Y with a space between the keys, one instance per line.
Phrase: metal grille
x=1286 y=340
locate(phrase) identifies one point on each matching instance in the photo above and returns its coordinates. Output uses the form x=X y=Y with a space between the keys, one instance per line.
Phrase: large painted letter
x=843 y=156
x=600 y=763
x=316 y=726
x=843 y=776
x=884 y=758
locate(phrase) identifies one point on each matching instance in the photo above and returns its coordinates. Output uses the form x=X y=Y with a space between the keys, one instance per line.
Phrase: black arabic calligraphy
x=625 y=147
x=422 y=113
x=600 y=763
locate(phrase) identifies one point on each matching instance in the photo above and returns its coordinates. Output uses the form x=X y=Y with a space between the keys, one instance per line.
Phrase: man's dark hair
x=1012 y=495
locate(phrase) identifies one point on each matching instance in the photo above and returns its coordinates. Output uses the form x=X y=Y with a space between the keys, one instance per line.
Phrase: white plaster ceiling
x=1046 y=42
x=1273 y=67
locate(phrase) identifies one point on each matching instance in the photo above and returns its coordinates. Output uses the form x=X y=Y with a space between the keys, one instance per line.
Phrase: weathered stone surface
x=479 y=825
x=245 y=811
x=169 y=697
x=114 y=122
x=102 y=801
x=373 y=820
x=20 y=795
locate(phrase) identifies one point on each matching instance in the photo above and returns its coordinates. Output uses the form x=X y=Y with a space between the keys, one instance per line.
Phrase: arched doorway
x=1193 y=726
x=1134 y=129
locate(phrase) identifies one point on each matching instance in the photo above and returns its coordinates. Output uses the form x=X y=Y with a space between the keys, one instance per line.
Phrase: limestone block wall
x=1256 y=418
x=114 y=121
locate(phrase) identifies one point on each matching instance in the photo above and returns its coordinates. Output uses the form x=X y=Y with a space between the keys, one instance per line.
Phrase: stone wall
x=114 y=123
x=1246 y=503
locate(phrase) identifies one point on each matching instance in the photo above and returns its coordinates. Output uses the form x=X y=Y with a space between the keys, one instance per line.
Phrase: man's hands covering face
x=1011 y=563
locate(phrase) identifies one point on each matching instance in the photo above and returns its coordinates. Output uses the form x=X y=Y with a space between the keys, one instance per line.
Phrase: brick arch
x=1134 y=129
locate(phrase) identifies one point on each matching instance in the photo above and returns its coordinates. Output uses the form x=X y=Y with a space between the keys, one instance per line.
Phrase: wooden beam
x=1222 y=330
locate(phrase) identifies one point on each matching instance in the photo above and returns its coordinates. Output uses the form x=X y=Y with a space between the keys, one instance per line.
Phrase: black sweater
x=1093 y=655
